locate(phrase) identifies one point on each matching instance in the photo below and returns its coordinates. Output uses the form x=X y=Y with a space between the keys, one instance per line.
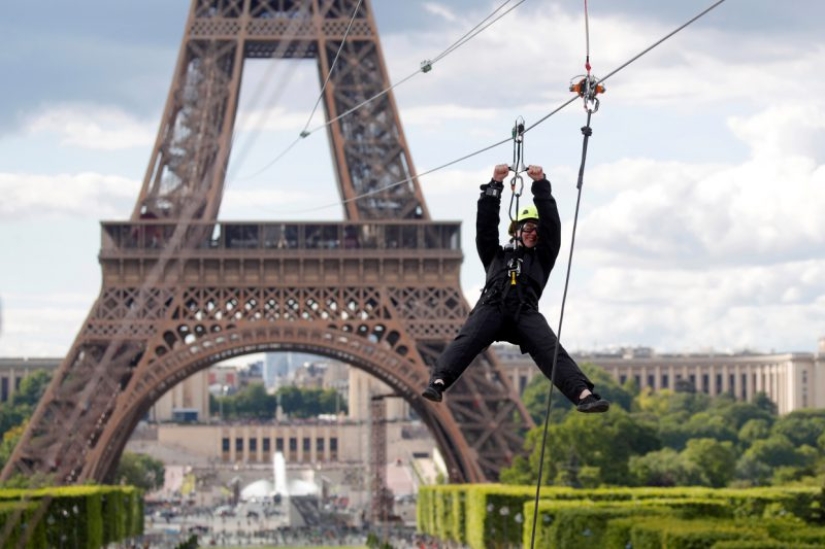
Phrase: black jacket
x=537 y=262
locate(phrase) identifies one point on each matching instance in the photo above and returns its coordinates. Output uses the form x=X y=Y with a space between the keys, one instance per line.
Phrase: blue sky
x=701 y=222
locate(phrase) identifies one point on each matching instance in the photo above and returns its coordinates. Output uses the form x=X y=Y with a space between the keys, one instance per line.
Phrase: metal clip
x=518 y=146
x=514 y=270
x=517 y=180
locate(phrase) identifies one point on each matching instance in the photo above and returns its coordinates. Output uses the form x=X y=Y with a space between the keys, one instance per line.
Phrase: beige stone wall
x=302 y=443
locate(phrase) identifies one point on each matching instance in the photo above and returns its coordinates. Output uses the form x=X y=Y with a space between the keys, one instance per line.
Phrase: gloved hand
x=493 y=188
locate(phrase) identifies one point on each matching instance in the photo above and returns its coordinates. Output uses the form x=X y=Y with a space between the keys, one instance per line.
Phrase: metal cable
x=527 y=129
x=425 y=68
x=587 y=133
x=332 y=66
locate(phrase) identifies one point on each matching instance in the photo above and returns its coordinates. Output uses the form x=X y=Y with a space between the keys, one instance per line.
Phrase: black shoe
x=434 y=390
x=593 y=404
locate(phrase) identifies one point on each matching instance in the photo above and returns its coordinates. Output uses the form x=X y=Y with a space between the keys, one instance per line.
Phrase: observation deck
x=299 y=253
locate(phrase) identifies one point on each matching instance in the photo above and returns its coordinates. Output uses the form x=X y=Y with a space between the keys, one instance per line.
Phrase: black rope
x=587 y=132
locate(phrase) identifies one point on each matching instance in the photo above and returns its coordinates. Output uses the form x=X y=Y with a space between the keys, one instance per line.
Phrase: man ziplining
x=508 y=307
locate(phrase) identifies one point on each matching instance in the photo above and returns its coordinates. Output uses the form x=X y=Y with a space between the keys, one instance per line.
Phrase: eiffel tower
x=182 y=290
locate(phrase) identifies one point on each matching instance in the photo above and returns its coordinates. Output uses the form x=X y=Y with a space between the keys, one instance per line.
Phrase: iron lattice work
x=181 y=291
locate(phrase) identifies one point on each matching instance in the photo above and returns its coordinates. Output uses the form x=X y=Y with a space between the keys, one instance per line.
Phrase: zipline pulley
x=588 y=87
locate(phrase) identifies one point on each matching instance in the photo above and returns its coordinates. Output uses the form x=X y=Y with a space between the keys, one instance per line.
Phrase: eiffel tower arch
x=182 y=290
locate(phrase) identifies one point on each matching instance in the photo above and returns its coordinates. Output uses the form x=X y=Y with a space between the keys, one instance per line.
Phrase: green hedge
x=491 y=516
x=71 y=516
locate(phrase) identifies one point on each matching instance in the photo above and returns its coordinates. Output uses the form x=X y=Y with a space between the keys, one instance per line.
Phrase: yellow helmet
x=524 y=213
x=527 y=212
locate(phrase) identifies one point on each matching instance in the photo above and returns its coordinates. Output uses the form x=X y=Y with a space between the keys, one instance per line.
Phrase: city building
x=791 y=380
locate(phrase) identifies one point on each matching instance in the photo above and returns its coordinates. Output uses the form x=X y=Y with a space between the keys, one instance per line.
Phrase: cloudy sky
x=702 y=221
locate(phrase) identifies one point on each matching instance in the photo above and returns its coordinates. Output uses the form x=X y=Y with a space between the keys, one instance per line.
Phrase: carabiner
x=517 y=179
x=518 y=146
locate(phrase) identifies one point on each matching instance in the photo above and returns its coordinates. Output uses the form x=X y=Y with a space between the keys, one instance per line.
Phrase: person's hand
x=536 y=173
x=500 y=172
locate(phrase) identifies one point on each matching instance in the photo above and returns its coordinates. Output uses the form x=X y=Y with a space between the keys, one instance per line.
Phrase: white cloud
x=24 y=334
x=79 y=195
x=688 y=257
x=441 y=11
x=677 y=310
x=439 y=116
x=512 y=69
x=677 y=253
x=93 y=127
x=764 y=210
x=284 y=203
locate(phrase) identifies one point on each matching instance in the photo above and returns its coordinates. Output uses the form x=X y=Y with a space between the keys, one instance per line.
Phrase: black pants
x=528 y=329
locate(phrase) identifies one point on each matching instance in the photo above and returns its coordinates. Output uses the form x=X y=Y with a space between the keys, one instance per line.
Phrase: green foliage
x=253 y=402
x=753 y=430
x=537 y=391
x=72 y=516
x=31 y=389
x=620 y=517
x=716 y=460
x=801 y=427
x=671 y=438
x=10 y=438
x=758 y=462
x=738 y=414
x=190 y=543
x=586 y=450
x=665 y=467
x=141 y=471
x=374 y=542
x=306 y=403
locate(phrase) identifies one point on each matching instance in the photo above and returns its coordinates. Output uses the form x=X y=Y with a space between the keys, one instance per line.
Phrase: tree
x=10 y=439
x=737 y=414
x=688 y=402
x=141 y=471
x=305 y=403
x=23 y=402
x=32 y=388
x=801 y=426
x=654 y=402
x=290 y=399
x=757 y=464
x=12 y=416
x=753 y=430
x=665 y=467
x=716 y=460
x=761 y=400
x=255 y=402
x=710 y=424
x=599 y=446
x=537 y=391
x=519 y=472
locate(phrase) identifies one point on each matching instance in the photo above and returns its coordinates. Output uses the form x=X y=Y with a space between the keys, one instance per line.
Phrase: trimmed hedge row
x=490 y=515
x=71 y=516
